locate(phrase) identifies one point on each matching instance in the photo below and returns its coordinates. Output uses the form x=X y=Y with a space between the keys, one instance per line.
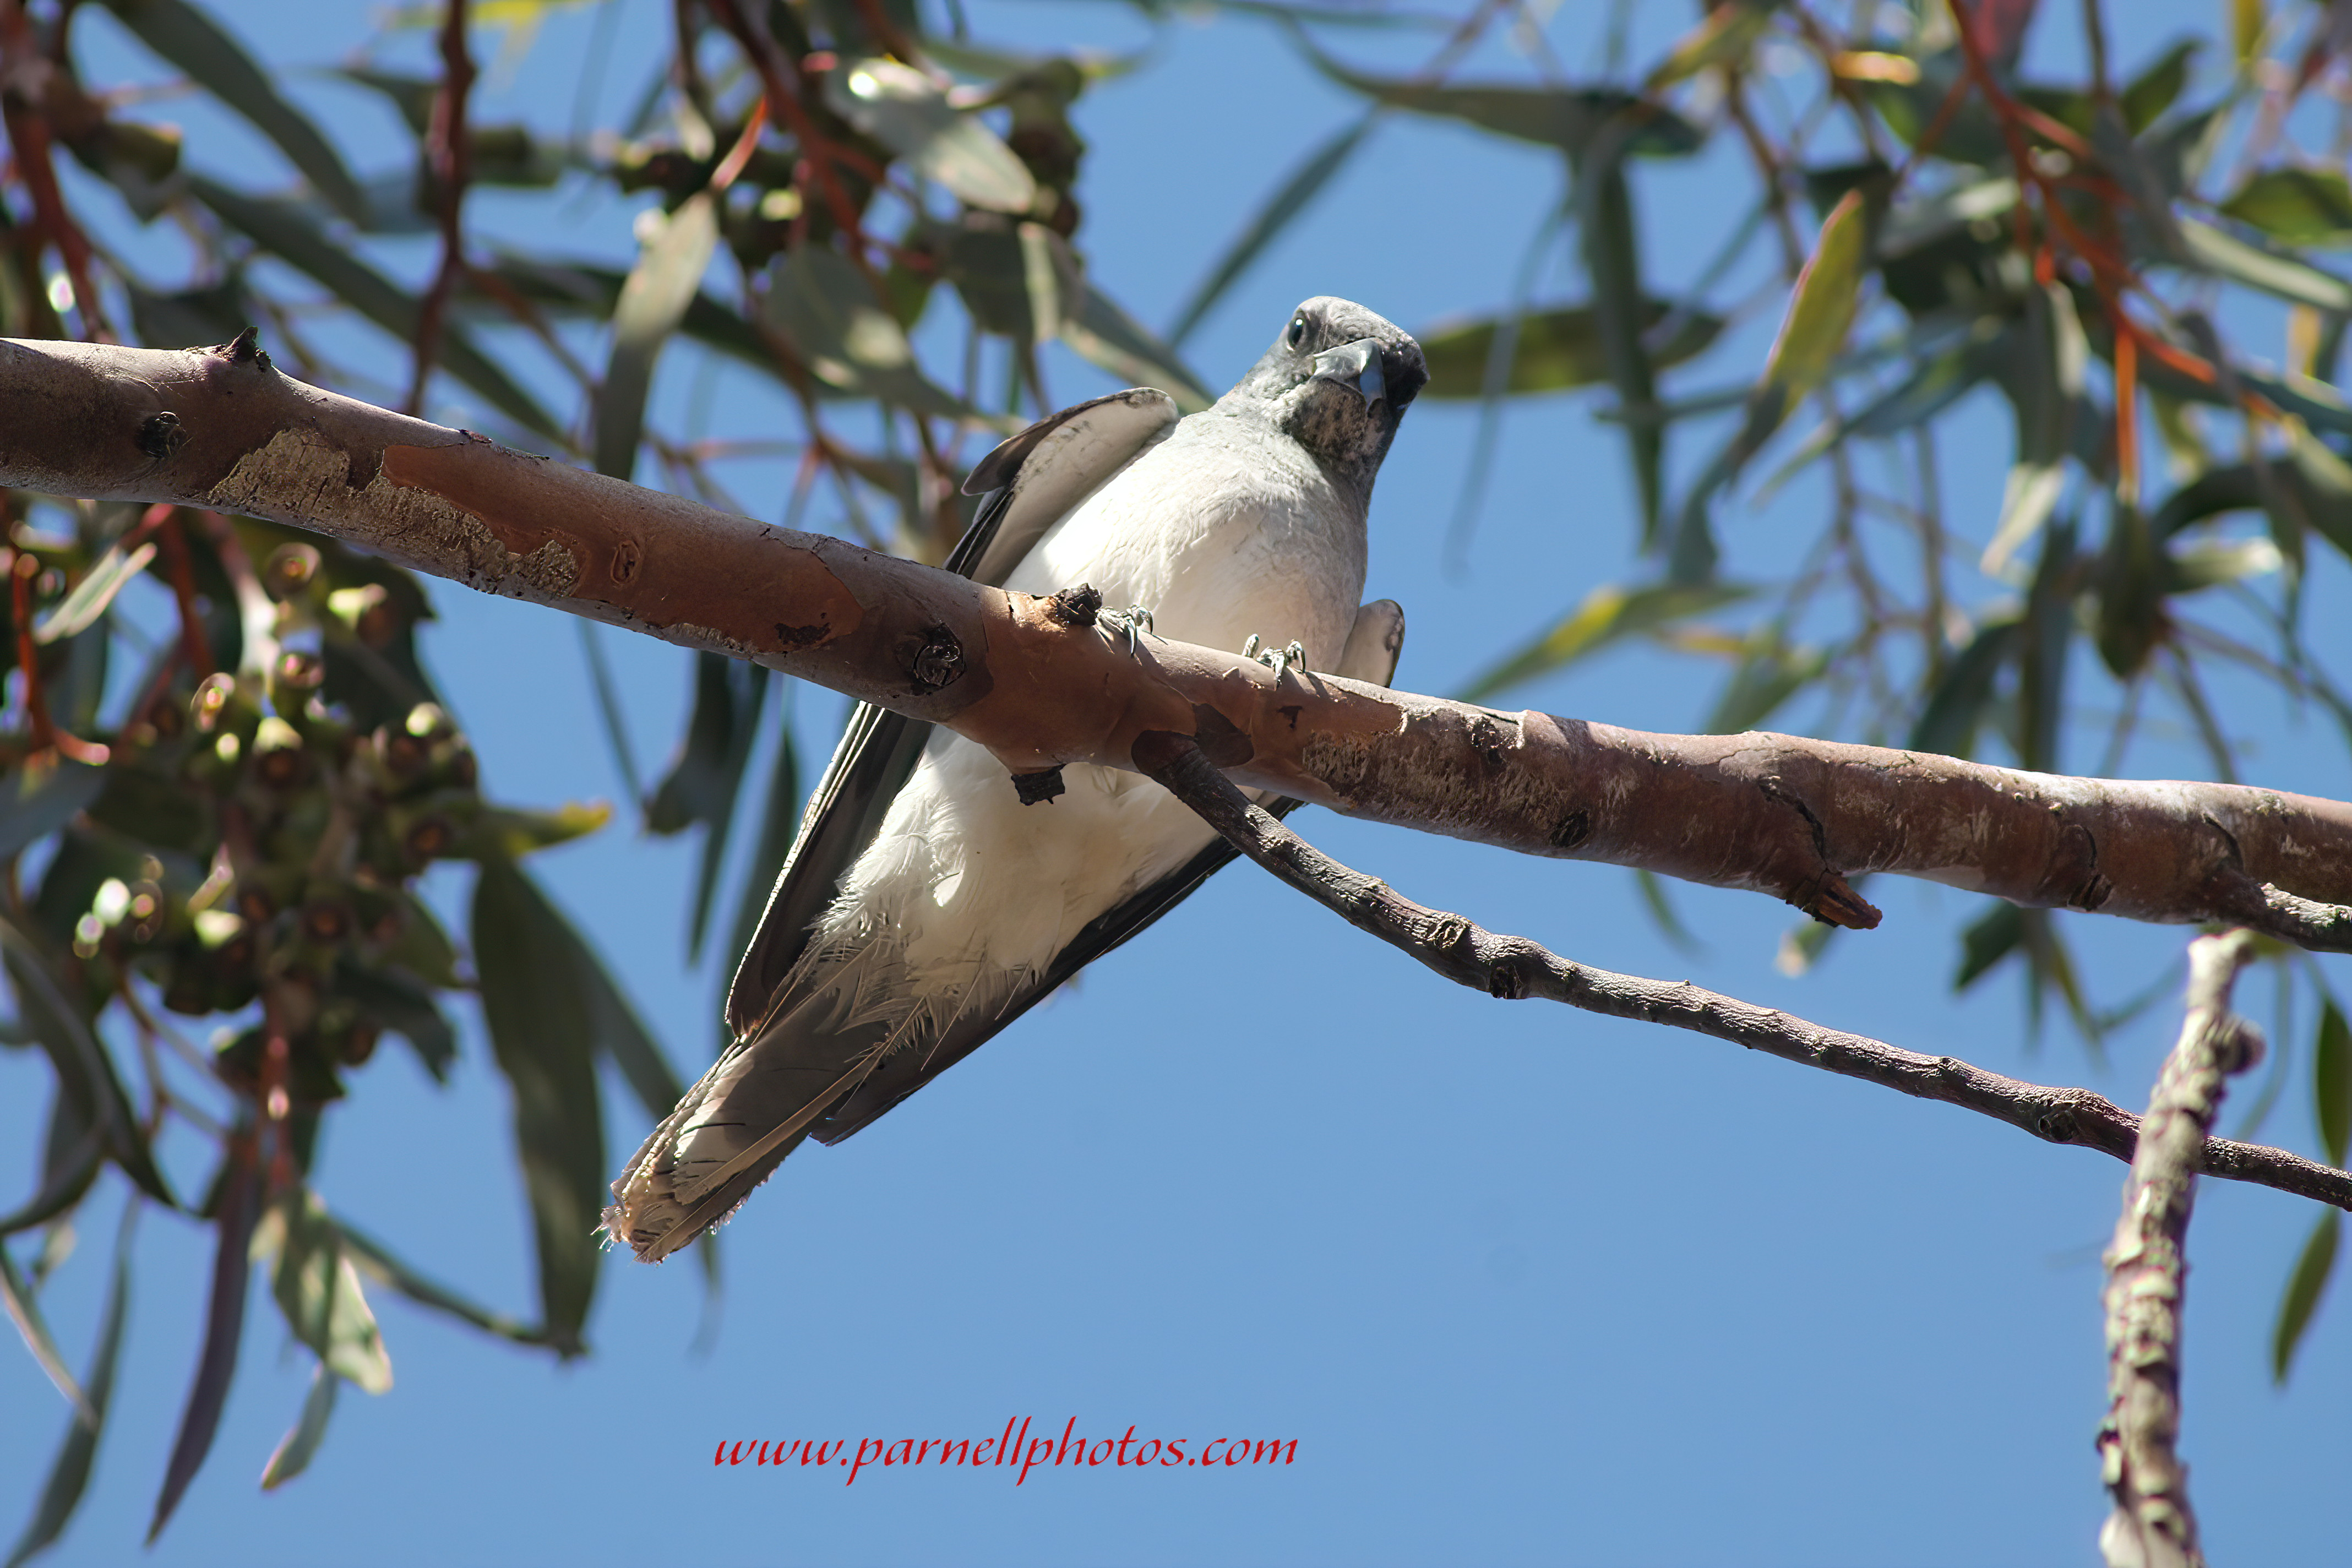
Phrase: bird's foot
x=1133 y=621
x=1276 y=659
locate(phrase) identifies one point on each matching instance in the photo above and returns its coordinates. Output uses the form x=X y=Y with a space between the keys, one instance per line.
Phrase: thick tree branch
x=222 y=429
x=2152 y=1525
x=1512 y=967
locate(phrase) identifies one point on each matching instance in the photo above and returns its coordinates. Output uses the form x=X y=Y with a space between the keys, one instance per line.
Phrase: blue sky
x=1525 y=1285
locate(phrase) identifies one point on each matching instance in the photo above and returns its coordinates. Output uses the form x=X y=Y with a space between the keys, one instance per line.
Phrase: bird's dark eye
x=1297 y=333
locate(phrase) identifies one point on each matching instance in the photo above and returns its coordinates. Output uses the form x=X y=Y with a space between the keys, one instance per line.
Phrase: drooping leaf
x=2043 y=376
x=213 y=314
x=584 y=288
x=2296 y=207
x=542 y=1031
x=1108 y=336
x=238 y=1207
x=91 y=595
x=1607 y=613
x=1289 y=200
x=1812 y=332
x=909 y=113
x=1609 y=238
x=36 y=800
x=1821 y=307
x=318 y=1291
x=188 y=38
x=502 y=154
x=24 y=1308
x=836 y=322
x=703 y=782
x=405 y=1007
x=2210 y=562
x=84 y=1069
x=294 y=1451
x=69 y=1471
x=72 y=1160
x=1947 y=725
x=2147 y=95
x=1558 y=349
x=375 y=1261
x=1566 y=118
x=1772 y=672
x=293 y=236
x=2331 y=1082
x=779 y=818
x=1988 y=940
x=2288 y=277
x=1725 y=36
x=653 y=301
x=2046 y=637
x=507 y=832
x=1659 y=904
x=2305 y=1287
x=2131 y=593
x=608 y=709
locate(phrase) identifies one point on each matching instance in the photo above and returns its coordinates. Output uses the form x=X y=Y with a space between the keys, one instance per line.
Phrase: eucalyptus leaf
x=1102 y=333
x=2331 y=1081
x=69 y=1471
x=1772 y=672
x=23 y=1309
x=2305 y=1287
x=1607 y=613
x=39 y=796
x=2147 y=95
x=542 y=1033
x=405 y=1007
x=377 y=1262
x=835 y=320
x=1988 y=940
x=2295 y=206
x=295 y=1450
x=1569 y=119
x=1558 y=349
x=700 y=787
x=291 y=234
x=186 y=37
x=506 y=832
x=1947 y=725
x=84 y=1069
x=2297 y=281
x=909 y=113
x=653 y=301
x=237 y=1208
x=91 y=595
x=1276 y=213
x=318 y=1291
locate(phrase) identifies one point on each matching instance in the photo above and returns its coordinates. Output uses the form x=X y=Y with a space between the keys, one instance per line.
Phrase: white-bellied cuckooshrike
x=924 y=906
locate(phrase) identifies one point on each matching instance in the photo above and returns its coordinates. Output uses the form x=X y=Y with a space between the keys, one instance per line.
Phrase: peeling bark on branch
x=1512 y=968
x=1773 y=814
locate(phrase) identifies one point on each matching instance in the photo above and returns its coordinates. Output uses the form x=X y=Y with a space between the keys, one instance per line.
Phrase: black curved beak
x=1357 y=365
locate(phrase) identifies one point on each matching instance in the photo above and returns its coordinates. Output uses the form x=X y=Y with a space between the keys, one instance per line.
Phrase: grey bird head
x=1336 y=382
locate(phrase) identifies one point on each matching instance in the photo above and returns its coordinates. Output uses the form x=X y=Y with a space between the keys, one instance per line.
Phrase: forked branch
x=1512 y=967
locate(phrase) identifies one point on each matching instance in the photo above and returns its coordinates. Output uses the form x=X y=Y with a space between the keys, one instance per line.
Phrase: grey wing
x=1037 y=476
x=1373 y=646
x=795 y=1052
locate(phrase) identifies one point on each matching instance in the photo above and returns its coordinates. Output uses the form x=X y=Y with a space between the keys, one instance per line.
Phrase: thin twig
x=1512 y=968
x=452 y=162
x=2152 y=1525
